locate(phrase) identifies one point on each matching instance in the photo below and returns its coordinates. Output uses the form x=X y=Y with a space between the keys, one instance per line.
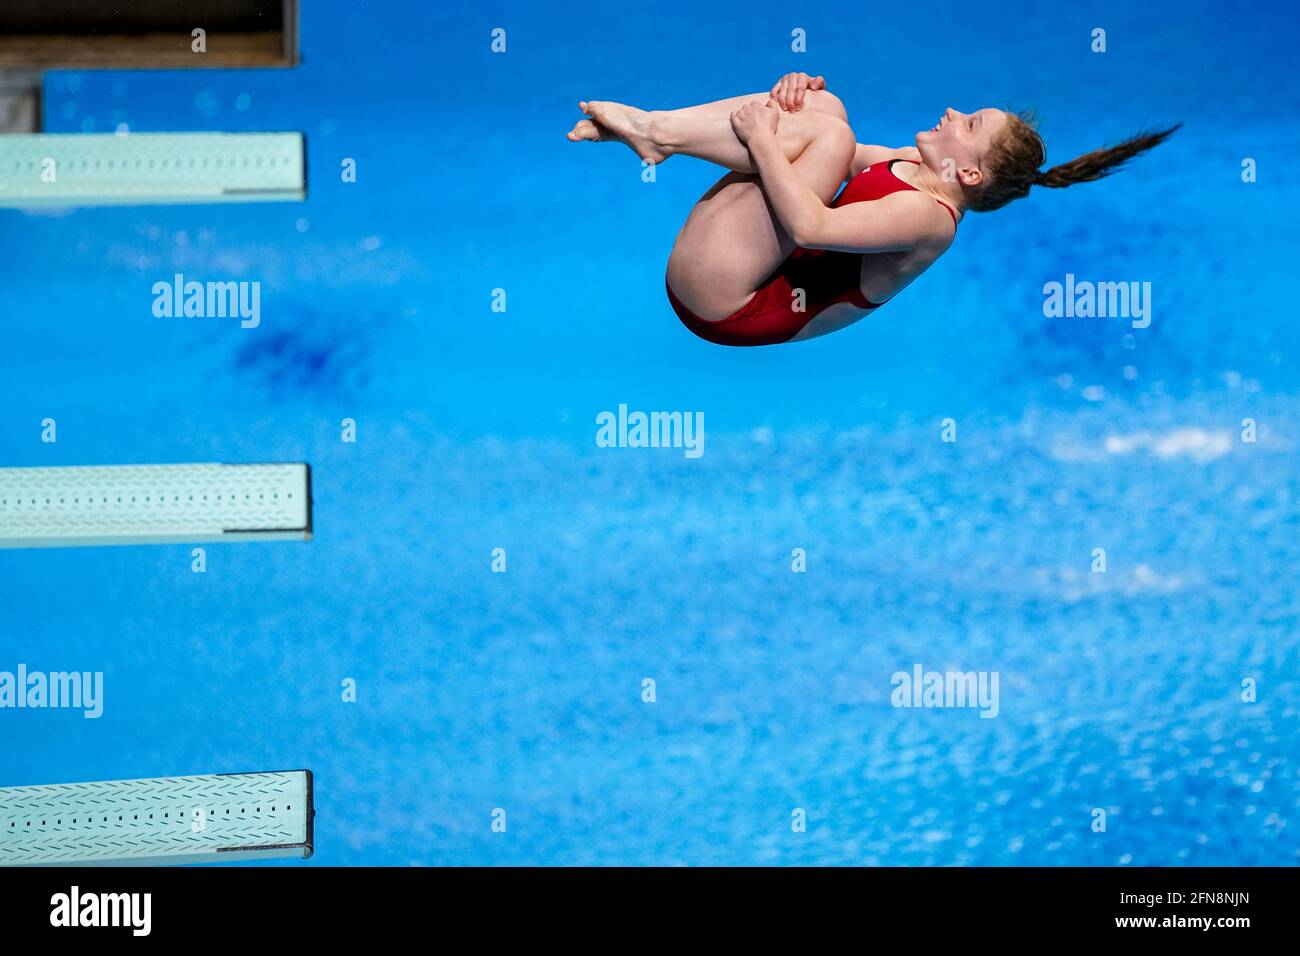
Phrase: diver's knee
x=824 y=101
x=833 y=133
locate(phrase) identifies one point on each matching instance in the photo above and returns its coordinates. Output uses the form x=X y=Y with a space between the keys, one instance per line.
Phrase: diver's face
x=960 y=141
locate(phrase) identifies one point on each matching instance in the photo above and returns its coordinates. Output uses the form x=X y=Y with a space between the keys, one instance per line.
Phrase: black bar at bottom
x=306 y=903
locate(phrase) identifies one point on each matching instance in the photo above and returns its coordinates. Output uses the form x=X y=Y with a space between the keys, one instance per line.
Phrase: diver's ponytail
x=1100 y=163
x=1014 y=159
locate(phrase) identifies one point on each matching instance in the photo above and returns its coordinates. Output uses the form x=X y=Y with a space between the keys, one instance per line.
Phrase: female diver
x=772 y=254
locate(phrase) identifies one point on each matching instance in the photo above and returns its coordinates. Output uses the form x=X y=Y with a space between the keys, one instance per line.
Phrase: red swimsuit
x=826 y=278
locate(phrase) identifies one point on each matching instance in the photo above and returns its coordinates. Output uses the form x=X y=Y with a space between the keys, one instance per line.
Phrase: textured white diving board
x=215 y=818
x=93 y=169
x=153 y=504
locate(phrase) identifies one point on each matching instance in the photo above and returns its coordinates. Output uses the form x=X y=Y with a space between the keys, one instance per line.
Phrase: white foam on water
x=1193 y=443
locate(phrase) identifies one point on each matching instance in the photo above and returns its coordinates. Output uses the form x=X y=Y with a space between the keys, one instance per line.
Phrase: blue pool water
x=1119 y=691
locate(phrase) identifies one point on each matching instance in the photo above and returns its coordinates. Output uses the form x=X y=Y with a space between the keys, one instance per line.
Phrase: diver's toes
x=584 y=130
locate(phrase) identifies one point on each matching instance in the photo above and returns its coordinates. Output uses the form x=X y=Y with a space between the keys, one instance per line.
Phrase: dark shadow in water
x=309 y=354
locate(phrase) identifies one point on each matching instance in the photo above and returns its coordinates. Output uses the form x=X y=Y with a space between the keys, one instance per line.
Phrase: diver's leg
x=702 y=131
x=819 y=101
x=733 y=240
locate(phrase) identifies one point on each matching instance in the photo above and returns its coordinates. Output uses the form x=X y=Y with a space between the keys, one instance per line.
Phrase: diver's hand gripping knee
x=755 y=119
x=790 y=90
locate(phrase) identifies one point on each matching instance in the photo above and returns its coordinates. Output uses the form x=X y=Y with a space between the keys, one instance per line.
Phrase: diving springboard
x=218 y=818
x=87 y=506
x=97 y=169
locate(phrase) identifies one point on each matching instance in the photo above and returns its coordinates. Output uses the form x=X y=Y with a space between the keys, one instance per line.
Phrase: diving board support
x=98 y=169
x=217 y=818
x=20 y=102
x=87 y=506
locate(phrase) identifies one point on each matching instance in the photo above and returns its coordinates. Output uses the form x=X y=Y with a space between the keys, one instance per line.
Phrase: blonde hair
x=1014 y=159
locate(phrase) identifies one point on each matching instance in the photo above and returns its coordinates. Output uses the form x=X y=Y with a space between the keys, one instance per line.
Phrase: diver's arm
x=896 y=223
x=797 y=206
x=899 y=222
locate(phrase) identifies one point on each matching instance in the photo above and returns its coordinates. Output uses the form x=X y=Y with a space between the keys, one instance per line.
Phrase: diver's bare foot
x=620 y=123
